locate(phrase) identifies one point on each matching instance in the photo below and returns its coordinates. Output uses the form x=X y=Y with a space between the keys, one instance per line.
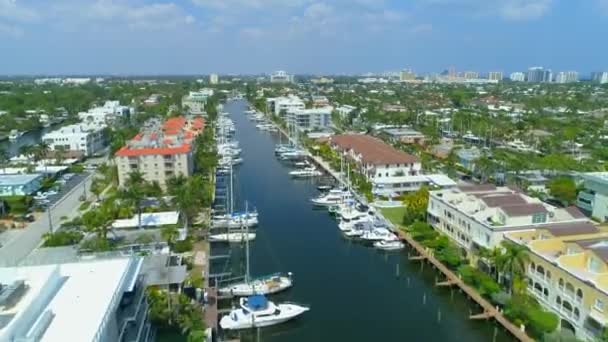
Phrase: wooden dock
x=211 y=310
x=489 y=311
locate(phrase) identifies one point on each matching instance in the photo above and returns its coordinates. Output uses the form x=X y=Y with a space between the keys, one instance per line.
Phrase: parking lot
x=64 y=185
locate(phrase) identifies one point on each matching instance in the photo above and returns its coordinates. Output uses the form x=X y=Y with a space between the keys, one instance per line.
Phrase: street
x=26 y=240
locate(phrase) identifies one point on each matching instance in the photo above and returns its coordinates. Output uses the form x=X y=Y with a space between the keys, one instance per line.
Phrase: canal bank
x=353 y=290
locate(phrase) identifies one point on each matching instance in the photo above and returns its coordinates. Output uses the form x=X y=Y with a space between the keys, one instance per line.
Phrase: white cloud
x=152 y=16
x=237 y=5
x=14 y=11
x=11 y=31
x=507 y=9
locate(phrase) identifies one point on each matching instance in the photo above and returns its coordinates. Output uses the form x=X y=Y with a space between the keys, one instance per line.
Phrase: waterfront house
x=390 y=171
x=479 y=216
x=280 y=106
x=89 y=138
x=567 y=273
x=593 y=200
x=309 y=119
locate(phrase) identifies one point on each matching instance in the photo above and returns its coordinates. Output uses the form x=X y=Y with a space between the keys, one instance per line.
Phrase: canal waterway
x=353 y=290
x=32 y=137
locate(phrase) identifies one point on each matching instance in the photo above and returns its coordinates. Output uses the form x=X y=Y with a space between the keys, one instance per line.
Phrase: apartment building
x=567 y=273
x=593 y=200
x=391 y=172
x=517 y=76
x=566 y=77
x=214 y=79
x=495 y=75
x=160 y=151
x=84 y=137
x=281 y=77
x=85 y=301
x=310 y=119
x=480 y=215
x=196 y=101
x=320 y=101
x=280 y=106
x=600 y=77
x=109 y=113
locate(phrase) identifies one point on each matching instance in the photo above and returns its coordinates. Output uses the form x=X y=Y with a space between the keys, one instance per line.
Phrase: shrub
x=182 y=246
x=62 y=238
x=484 y=284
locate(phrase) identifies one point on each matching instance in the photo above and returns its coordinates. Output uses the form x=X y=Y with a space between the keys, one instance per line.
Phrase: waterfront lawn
x=395 y=215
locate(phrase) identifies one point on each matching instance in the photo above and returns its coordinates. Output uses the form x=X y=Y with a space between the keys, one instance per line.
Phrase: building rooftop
x=372 y=150
x=18 y=179
x=601 y=177
x=148 y=220
x=65 y=300
x=174 y=136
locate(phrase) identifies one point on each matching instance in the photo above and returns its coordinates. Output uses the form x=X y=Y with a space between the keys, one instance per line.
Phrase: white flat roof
x=148 y=220
x=79 y=304
x=441 y=180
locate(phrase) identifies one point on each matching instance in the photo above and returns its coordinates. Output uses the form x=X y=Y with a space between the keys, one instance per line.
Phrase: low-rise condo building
x=86 y=138
x=196 y=101
x=391 y=172
x=109 y=113
x=479 y=216
x=85 y=301
x=280 y=106
x=567 y=273
x=160 y=151
x=593 y=200
x=281 y=77
x=310 y=119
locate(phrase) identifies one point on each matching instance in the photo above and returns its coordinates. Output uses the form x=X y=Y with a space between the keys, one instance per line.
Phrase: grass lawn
x=395 y=215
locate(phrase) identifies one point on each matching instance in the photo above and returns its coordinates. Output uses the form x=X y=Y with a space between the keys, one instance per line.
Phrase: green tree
x=563 y=189
x=97 y=187
x=133 y=192
x=416 y=204
x=512 y=261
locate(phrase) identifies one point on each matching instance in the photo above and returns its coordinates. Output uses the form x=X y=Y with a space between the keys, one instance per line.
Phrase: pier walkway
x=489 y=311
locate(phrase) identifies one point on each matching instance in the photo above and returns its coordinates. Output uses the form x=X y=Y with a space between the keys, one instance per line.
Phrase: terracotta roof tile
x=372 y=150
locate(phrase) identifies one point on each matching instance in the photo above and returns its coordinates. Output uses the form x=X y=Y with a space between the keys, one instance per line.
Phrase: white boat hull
x=232 y=237
x=258 y=287
x=287 y=312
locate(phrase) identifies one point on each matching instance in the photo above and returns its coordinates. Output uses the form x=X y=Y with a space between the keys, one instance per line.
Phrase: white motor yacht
x=389 y=245
x=379 y=234
x=257 y=311
x=259 y=286
x=333 y=197
x=235 y=222
x=306 y=172
x=14 y=135
x=232 y=237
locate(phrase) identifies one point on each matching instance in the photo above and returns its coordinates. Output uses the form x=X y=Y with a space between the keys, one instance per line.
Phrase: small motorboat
x=389 y=245
x=257 y=311
x=324 y=187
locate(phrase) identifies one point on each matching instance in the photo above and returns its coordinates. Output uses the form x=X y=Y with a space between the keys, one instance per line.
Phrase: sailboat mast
x=246 y=243
x=231 y=207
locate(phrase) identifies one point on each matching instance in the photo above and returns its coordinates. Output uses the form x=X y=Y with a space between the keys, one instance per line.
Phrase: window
x=599 y=305
x=579 y=295
x=594 y=265
x=539 y=218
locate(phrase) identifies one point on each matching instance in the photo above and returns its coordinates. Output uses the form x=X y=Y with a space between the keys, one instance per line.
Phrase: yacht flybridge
x=257 y=311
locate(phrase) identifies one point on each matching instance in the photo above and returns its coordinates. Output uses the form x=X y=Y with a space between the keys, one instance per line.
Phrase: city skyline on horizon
x=184 y=37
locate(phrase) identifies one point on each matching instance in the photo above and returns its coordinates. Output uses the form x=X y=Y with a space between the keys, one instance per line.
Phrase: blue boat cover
x=257 y=302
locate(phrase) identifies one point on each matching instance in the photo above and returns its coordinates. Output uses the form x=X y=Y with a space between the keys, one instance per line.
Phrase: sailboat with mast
x=264 y=285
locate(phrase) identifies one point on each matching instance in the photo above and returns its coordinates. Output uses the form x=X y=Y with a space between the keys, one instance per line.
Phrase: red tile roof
x=372 y=150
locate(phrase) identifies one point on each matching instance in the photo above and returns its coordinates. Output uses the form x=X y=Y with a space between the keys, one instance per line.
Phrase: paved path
x=18 y=248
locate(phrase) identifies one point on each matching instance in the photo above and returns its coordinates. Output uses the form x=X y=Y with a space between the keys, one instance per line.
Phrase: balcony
x=133 y=307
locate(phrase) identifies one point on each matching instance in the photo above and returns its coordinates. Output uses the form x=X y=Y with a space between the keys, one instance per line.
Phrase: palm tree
x=134 y=192
x=27 y=151
x=185 y=192
x=41 y=152
x=169 y=233
x=512 y=261
x=60 y=154
x=97 y=187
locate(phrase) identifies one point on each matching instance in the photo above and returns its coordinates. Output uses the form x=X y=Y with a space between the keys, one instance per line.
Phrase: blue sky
x=301 y=36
